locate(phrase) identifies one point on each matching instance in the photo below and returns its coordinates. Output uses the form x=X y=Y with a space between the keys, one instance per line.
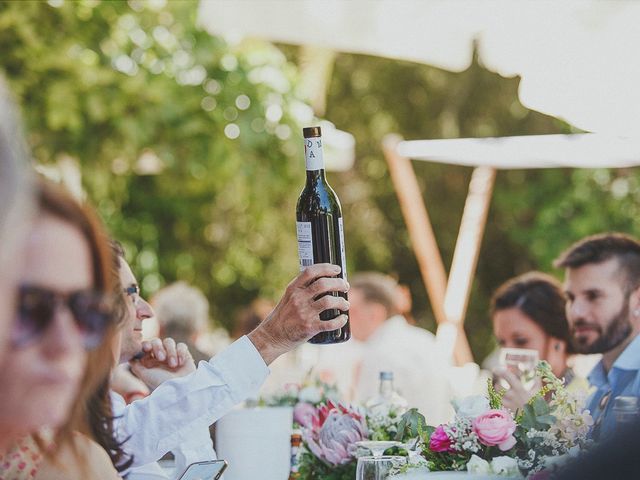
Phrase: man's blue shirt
x=622 y=380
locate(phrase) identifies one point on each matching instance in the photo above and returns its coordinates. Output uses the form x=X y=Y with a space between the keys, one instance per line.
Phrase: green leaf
x=411 y=425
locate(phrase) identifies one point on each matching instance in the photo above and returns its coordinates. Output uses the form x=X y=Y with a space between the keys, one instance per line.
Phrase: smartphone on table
x=209 y=470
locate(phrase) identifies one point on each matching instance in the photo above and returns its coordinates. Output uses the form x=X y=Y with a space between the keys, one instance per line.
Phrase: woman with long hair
x=60 y=346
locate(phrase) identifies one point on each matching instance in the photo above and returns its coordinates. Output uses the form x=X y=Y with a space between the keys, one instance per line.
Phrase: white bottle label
x=313 y=153
x=305 y=244
x=342 y=250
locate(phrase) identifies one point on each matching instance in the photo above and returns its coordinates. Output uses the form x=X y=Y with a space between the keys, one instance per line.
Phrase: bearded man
x=602 y=286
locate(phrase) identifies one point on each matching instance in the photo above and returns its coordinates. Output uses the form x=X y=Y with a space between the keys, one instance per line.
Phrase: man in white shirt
x=186 y=400
x=391 y=344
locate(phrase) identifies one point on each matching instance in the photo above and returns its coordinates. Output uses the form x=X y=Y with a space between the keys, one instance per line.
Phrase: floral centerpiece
x=331 y=434
x=486 y=438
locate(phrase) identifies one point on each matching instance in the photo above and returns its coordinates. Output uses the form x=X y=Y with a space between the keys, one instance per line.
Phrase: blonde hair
x=16 y=201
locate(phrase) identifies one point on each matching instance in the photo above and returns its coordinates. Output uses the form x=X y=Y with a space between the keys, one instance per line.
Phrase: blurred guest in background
x=182 y=312
x=15 y=211
x=60 y=346
x=391 y=344
x=405 y=303
x=528 y=311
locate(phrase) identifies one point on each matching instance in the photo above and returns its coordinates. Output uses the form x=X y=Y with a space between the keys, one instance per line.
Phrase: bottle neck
x=386 y=387
x=315 y=176
x=313 y=156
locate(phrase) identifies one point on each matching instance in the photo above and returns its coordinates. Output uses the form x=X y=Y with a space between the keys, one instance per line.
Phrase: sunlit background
x=189 y=143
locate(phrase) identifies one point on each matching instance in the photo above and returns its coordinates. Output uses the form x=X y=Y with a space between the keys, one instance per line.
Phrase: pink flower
x=333 y=432
x=440 y=441
x=303 y=414
x=495 y=427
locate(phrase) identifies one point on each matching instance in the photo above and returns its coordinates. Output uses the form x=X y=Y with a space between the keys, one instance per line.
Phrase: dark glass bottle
x=319 y=227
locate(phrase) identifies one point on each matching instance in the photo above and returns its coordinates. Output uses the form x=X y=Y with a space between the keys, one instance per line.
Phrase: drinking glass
x=377 y=468
x=522 y=363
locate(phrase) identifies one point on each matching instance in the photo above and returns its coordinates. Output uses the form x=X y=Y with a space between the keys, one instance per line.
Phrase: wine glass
x=377 y=468
x=522 y=363
x=377 y=447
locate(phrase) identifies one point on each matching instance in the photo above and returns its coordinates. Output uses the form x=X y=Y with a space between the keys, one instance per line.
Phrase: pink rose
x=495 y=427
x=440 y=441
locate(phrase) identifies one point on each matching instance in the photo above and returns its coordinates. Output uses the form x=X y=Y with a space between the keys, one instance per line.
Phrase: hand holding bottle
x=296 y=317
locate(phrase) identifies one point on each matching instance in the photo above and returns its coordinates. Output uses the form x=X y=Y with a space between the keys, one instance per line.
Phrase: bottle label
x=342 y=249
x=313 y=153
x=305 y=244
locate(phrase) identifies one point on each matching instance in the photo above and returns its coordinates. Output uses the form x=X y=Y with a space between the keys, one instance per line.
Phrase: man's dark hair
x=377 y=288
x=601 y=248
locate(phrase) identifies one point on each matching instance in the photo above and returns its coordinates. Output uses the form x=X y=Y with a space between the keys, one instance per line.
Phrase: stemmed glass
x=377 y=468
x=522 y=363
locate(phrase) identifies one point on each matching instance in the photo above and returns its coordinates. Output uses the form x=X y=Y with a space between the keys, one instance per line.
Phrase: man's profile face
x=597 y=306
x=137 y=310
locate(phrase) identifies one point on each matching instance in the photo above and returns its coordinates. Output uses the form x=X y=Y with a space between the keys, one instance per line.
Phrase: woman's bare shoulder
x=96 y=463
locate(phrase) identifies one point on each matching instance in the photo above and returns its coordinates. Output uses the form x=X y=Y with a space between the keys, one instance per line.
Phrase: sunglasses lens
x=35 y=310
x=92 y=314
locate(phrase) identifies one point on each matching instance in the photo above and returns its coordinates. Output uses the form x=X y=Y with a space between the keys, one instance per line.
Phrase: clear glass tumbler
x=377 y=468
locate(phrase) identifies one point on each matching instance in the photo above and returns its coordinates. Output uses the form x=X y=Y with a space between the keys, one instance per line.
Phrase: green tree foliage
x=189 y=147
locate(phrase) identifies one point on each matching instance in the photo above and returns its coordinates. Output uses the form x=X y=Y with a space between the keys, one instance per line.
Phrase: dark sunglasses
x=37 y=306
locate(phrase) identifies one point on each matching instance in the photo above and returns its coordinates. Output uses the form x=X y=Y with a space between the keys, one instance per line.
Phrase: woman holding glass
x=528 y=313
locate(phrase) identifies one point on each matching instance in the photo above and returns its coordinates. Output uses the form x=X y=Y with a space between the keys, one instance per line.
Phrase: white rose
x=472 y=406
x=478 y=466
x=506 y=466
x=310 y=395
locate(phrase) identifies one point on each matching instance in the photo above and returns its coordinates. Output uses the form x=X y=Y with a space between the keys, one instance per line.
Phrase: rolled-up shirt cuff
x=242 y=367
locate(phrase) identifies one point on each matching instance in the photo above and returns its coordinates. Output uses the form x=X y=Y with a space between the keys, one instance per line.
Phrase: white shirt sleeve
x=179 y=408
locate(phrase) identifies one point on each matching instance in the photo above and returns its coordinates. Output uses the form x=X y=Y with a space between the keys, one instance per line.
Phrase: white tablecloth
x=426 y=475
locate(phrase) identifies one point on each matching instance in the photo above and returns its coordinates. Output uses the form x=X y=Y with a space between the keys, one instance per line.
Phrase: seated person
x=528 y=311
x=182 y=312
x=391 y=344
x=60 y=347
x=185 y=400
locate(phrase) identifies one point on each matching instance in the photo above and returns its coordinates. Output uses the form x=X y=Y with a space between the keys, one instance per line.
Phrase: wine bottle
x=320 y=229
